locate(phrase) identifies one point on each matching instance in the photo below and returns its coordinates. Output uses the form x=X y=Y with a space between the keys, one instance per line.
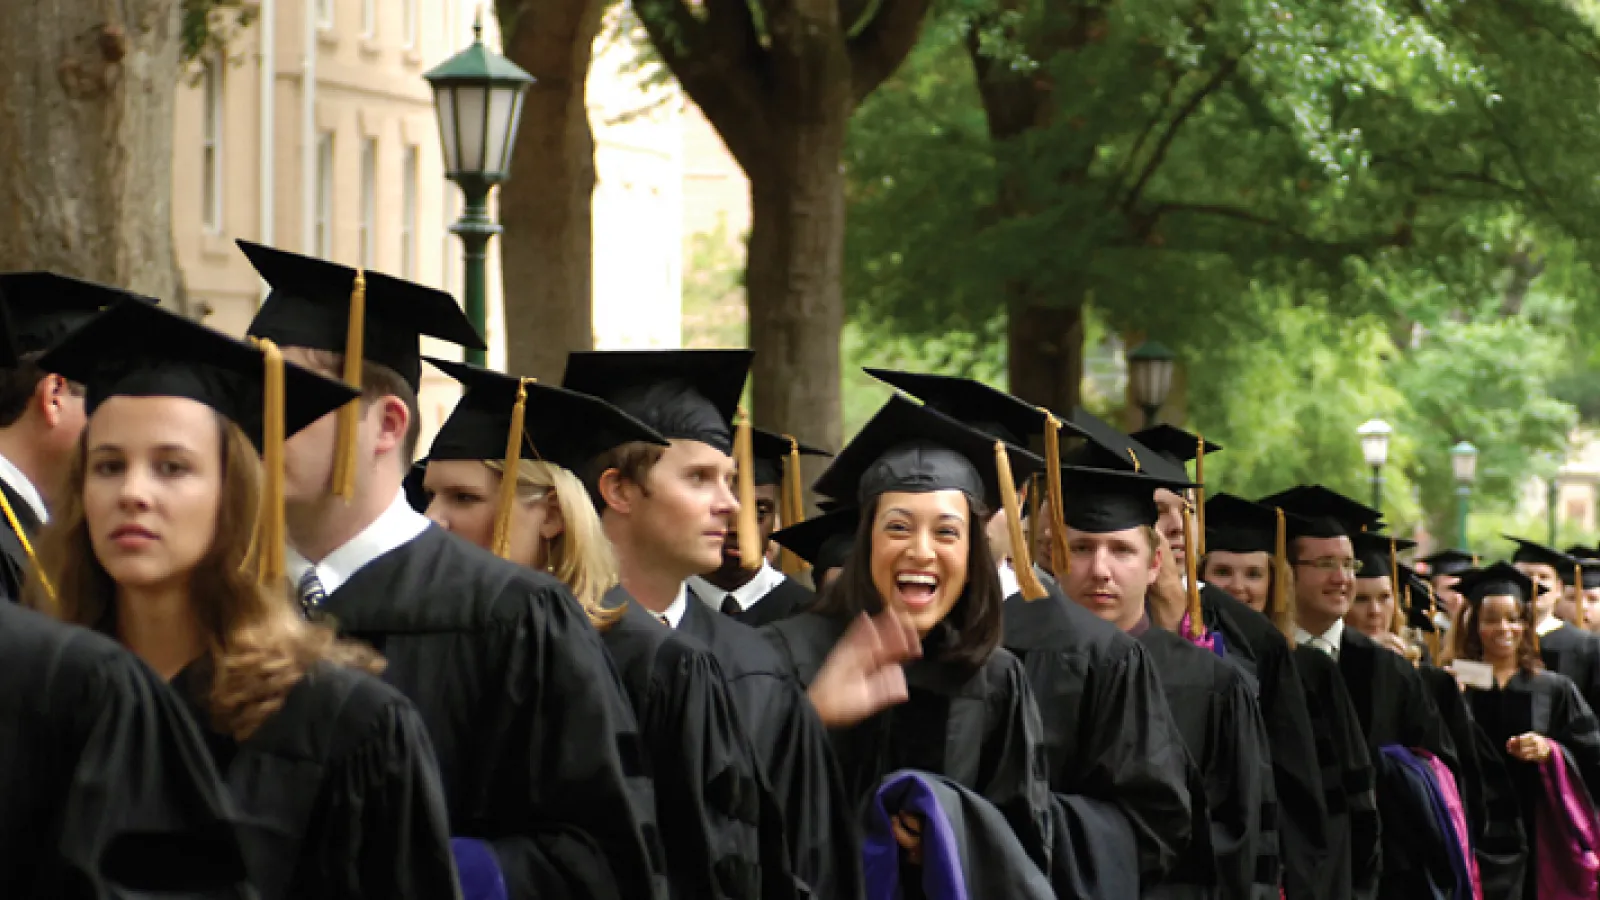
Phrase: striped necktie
x=311 y=592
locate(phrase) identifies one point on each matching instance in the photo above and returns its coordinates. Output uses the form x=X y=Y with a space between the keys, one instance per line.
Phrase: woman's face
x=464 y=493
x=152 y=487
x=1371 y=606
x=920 y=544
x=1500 y=628
x=1247 y=577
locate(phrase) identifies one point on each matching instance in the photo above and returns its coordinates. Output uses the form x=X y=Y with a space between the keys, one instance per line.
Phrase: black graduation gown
x=1550 y=704
x=337 y=793
x=108 y=790
x=1117 y=768
x=709 y=788
x=1575 y=654
x=1487 y=795
x=820 y=822
x=784 y=600
x=14 y=559
x=1301 y=813
x=980 y=729
x=537 y=746
x=1214 y=706
x=1355 y=836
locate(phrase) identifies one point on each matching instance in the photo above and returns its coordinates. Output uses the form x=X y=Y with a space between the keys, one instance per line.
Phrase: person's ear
x=393 y=421
x=49 y=395
x=553 y=524
x=617 y=491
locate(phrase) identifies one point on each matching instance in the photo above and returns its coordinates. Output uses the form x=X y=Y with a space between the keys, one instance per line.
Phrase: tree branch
x=1159 y=154
x=730 y=94
x=1400 y=236
x=882 y=45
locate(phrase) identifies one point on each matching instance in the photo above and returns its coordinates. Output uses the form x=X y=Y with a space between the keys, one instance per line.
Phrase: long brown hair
x=259 y=645
x=1467 y=643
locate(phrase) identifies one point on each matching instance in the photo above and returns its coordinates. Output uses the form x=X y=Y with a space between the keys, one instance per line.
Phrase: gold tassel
x=1577 y=574
x=791 y=507
x=506 y=502
x=1021 y=561
x=1033 y=515
x=1197 y=624
x=1058 y=524
x=344 y=454
x=27 y=547
x=749 y=530
x=267 y=546
x=1394 y=586
x=1282 y=579
x=1198 y=548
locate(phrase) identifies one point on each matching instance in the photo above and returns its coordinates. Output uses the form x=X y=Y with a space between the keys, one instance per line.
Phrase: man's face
x=1170 y=523
x=1546 y=587
x=1324 y=576
x=1110 y=573
x=682 y=515
x=1444 y=587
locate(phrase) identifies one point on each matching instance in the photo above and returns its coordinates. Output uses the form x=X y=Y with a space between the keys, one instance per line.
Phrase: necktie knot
x=311 y=592
x=730 y=606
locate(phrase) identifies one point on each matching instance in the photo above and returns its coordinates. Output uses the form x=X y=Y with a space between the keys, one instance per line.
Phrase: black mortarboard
x=415 y=486
x=1499 y=579
x=974 y=404
x=559 y=426
x=1538 y=554
x=41 y=308
x=1414 y=594
x=1449 y=562
x=312 y=301
x=1590 y=569
x=1577 y=551
x=1315 y=512
x=141 y=350
x=1109 y=448
x=1375 y=552
x=683 y=394
x=1105 y=500
x=823 y=541
x=1235 y=525
x=770 y=452
x=1172 y=443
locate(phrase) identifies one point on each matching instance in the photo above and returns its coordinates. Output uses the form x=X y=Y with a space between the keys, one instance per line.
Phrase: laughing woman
x=925 y=484
x=166 y=542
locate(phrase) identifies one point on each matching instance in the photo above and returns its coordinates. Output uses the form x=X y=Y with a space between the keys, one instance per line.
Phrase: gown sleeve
x=386 y=831
x=1237 y=781
x=1011 y=769
x=1573 y=726
x=1297 y=808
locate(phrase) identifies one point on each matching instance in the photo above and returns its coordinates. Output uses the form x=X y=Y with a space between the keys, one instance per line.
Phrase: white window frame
x=323 y=243
x=365 y=247
x=369 y=18
x=411 y=13
x=211 y=147
x=410 y=172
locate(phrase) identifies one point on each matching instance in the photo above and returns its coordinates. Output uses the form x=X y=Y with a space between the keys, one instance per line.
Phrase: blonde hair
x=260 y=647
x=580 y=555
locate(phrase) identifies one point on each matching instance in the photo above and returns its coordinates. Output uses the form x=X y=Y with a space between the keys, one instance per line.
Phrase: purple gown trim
x=1458 y=818
x=942 y=877
x=1569 y=833
x=1211 y=640
x=478 y=870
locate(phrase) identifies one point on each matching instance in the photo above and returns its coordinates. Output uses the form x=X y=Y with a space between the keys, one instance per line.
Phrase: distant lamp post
x=1375 y=434
x=1150 y=375
x=1464 y=463
x=478 y=95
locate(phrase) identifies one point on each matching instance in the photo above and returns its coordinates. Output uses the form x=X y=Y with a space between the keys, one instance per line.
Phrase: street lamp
x=1374 y=435
x=1464 y=463
x=478 y=95
x=1150 y=375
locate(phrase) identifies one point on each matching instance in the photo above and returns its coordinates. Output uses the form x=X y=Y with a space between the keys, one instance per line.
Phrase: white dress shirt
x=397 y=526
x=680 y=605
x=1328 y=641
x=19 y=482
x=1008 y=579
x=746 y=596
x=1550 y=623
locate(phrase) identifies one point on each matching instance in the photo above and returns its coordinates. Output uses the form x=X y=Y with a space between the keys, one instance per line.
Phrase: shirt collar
x=680 y=605
x=1141 y=626
x=20 y=483
x=1008 y=579
x=397 y=526
x=1550 y=623
x=746 y=596
x=1333 y=637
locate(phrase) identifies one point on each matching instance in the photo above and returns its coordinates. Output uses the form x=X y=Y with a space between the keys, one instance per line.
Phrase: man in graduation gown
x=109 y=791
x=41 y=414
x=667 y=512
x=1565 y=649
x=823 y=541
x=537 y=746
x=1111 y=543
x=760 y=595
x=1114 y=752
x=1445 y=568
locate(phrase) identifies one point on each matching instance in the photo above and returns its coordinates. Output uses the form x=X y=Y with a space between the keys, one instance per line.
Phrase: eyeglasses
x=1328 y=564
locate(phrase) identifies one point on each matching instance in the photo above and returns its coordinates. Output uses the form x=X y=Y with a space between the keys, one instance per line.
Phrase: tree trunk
x=1044 y=354
x=547 y=251
x=86 y=105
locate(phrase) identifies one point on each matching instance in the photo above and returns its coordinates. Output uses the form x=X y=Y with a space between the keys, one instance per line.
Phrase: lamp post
x=1464 y=463
x=1374 y=435
x=1150 y=375
x=478 y=96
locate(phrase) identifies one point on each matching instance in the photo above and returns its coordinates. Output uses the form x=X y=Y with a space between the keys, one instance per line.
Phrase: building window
x=409 y=14
x=324 y=13
x=408 y=215
x=211 y=149
x=369 y=202
x=322 y=243
x=369 y=18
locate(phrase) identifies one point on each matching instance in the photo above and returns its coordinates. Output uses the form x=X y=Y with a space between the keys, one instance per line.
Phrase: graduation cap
x=1415 y=597
x=502 y=417
x=1578 y=551
x=1500 y=579
x=1109 y=448
x=912 y=448
x=41 y=308
x=366 y=316
x=999 y=415
x=1377 y=554
x=1449 y=562
x=416 y=491
x=1539 y=555
x=1584 y=571
x=688 y=395
x=140 y=350
x=775 y=459
x=823 y=541
x=1178 y=447
x=1316 y=512
x=1235 y=525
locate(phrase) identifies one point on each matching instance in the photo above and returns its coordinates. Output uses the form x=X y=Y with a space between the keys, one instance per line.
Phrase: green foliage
x=714 y=313
x=208 y=25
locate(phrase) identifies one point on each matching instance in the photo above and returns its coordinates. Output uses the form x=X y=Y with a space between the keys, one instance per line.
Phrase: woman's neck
x=1504 y=669
x=160 y=626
